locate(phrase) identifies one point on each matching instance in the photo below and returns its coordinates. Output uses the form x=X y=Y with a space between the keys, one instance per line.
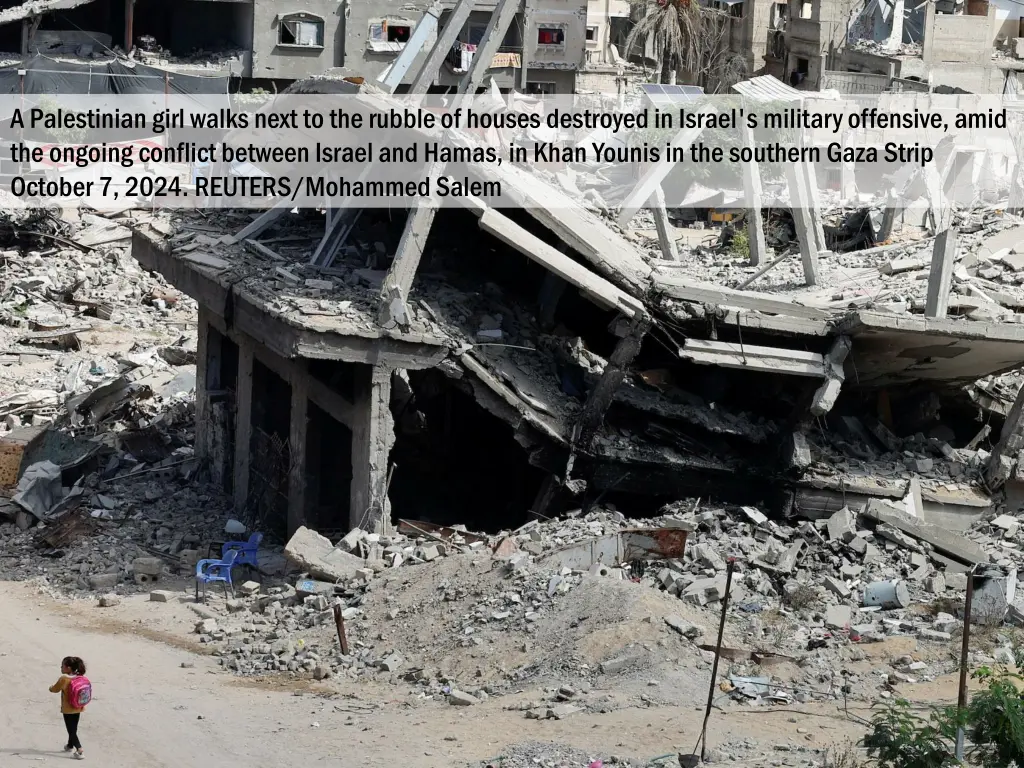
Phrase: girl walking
x=75 y=693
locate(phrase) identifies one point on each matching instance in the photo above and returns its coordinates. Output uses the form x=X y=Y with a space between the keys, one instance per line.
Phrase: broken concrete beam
x=753 y=358
x=798 y=452
x=842 y=526
x=684 y=628
x=946 y=542
x=835 y=375
x=941 y=275
x=908 y=264
x=315 y=554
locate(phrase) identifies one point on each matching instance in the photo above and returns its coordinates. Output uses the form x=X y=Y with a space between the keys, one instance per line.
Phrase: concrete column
x=814 y=206
x=1011 y=443
x=664 y=227
x=203 y=385
x=752 y=191
x=941 y=275
x=373 y=435
x=297 y=473
x=801 y=219
x=896 y=31
x=243 y=423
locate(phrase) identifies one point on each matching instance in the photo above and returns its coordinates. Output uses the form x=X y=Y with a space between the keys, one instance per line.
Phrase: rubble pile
x=807 y=595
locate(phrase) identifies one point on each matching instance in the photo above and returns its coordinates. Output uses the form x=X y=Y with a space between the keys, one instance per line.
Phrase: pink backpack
x=80 y=692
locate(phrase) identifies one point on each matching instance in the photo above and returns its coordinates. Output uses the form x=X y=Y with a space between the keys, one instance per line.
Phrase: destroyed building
x=351 y=371
x=279 y=42
x=907 y=46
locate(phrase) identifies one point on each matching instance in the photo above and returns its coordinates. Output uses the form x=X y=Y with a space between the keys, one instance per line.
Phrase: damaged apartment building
x=958 y=46
x=280 y=41
x=473 y=364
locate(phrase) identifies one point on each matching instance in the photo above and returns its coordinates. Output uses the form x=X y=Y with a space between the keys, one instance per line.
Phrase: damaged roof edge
x=36 y=7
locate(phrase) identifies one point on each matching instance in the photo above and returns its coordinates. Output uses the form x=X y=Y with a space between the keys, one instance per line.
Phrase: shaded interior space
x=328 y=473
x=928 y=414
x=221 y=387
x=454 y=461
x=187 y=26
x=106 y=17
x=269 y=454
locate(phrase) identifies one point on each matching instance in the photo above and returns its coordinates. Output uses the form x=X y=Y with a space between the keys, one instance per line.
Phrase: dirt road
x=149 y=710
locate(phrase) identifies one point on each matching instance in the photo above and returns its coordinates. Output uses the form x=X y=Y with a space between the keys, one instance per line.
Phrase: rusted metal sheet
x=420 y=527
x=762 y=658
x=654 y=543
x=622 y=547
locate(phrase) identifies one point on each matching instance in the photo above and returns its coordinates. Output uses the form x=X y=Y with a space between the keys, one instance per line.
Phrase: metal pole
x=718 y=652
x=339 y=622
x=961 y=698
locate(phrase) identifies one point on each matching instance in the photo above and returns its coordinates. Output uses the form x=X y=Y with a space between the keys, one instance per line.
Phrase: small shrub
x=901 y=739
x=802 y=598
x=740 y=244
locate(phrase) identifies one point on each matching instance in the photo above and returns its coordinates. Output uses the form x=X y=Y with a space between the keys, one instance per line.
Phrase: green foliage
x=739 y=246
x=901 y=739
x=50 y=106
x=993 y=720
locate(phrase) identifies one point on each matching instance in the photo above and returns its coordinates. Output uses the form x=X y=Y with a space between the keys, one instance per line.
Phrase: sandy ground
x=150 y=710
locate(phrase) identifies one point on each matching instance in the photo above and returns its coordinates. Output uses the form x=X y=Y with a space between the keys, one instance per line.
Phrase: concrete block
x=109 y=600
x=459 y=698
x=427 y=552
x=150 y=566
x=104 y=581
x=392 y=663
x=350 y=542
x=684 y=628
x=935 y=584
x=249 y=588
x=934 y=636
x=842 y=526
x=206 y=626
x=994 y=592
x=315 y=554
x=838 y=616
x=837 y=587
x=161 y=596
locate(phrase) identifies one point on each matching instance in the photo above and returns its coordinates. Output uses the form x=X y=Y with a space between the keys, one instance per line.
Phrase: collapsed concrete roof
x=644 y=427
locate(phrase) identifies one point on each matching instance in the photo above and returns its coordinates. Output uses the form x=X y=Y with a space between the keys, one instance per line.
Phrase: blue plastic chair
x=208 y=571
x=247 y=550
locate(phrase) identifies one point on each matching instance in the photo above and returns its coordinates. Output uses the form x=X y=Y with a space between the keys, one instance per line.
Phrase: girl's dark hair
x=75 y=664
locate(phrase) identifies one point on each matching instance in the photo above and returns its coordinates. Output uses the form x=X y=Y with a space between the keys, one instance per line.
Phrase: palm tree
x=674 y=27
